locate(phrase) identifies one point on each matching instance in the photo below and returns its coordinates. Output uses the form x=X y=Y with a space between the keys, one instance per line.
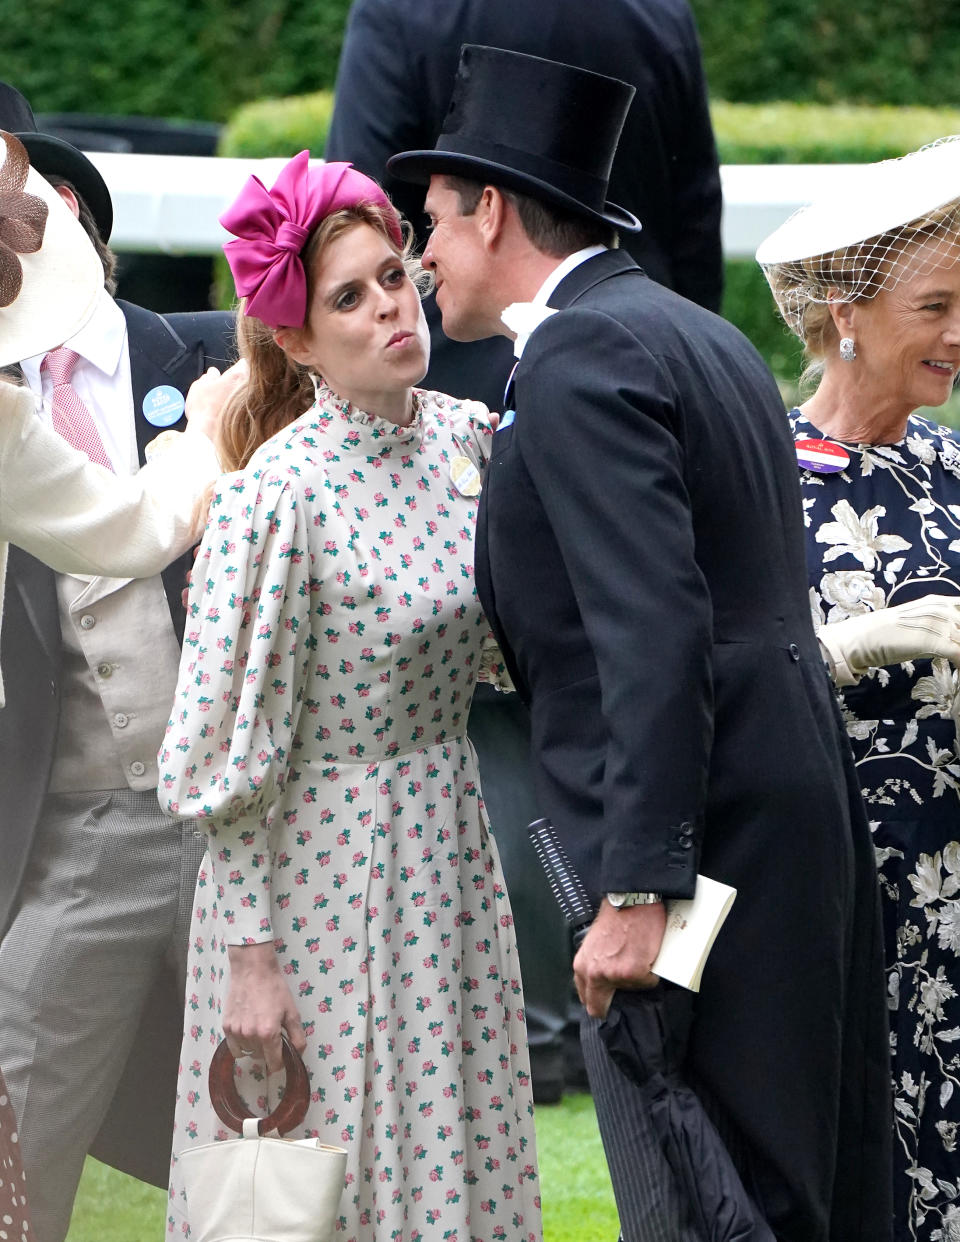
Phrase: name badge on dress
x=465 y=475
x=822 y=456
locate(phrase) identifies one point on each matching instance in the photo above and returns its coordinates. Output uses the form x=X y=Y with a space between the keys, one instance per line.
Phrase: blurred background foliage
x=202 y=59
x=889 y=51
x=188 y=59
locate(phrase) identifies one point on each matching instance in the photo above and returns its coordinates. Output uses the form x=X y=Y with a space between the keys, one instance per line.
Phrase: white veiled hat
x=850 y=242
x=867 y=201
x=50 y=274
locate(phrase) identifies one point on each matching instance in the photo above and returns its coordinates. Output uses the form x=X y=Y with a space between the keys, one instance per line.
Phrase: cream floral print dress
x=332 y=644
x=884 y=531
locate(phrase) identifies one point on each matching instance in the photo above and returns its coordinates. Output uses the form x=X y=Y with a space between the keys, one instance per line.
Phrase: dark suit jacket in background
x=394 y=84
x=173 y=350
x=640 y=557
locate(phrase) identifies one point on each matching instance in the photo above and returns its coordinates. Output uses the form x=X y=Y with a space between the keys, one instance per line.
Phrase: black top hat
x=536 y=126
x=52 y=156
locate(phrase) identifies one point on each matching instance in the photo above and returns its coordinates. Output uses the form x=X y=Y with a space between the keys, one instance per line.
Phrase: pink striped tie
x=71 y=418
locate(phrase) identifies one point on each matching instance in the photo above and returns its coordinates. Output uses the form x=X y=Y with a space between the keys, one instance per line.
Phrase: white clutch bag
x=256 y=1189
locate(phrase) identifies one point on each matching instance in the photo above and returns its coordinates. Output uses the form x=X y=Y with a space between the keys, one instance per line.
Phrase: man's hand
x=259 y=1006
x=208 y=396
x=617 y=952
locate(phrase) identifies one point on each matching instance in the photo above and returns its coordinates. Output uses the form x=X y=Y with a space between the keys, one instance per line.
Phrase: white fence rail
x=170 y=203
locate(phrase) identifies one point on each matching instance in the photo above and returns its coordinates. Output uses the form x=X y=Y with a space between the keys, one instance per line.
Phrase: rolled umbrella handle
x=233 y=1112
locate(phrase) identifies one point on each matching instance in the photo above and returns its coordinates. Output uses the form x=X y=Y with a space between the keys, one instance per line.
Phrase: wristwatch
x=620 y=901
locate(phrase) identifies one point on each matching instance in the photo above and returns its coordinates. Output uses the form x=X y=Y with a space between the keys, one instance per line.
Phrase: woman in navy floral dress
x=880 y=319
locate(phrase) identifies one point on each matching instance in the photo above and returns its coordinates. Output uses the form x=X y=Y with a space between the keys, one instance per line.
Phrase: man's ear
x=70 y=199
x=491 y=215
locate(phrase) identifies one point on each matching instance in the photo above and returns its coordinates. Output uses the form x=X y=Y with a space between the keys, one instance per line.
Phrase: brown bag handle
x=233 y=1112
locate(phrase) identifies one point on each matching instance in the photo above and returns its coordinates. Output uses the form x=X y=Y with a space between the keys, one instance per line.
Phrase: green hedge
x=276 y=127
x=887 y=51
x=186 y=59
x=792 y=133
x=200 y=59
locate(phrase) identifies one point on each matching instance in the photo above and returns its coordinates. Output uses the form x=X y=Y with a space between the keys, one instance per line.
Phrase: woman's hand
x=926 y=627
x=259 y=1006
x=208 y=396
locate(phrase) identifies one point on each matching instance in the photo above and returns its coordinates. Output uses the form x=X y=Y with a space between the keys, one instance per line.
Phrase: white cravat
x=522 y=318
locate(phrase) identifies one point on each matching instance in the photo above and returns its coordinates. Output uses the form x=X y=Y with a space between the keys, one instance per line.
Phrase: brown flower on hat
x=23 y=218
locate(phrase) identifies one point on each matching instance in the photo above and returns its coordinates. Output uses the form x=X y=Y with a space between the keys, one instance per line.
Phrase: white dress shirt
x=101 y=379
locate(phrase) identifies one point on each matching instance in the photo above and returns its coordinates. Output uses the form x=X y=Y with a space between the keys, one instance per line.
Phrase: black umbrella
x=648 y=1049
x=645 y=1033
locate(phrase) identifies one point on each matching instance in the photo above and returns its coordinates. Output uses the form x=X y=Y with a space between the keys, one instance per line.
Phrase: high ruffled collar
x=380 y=429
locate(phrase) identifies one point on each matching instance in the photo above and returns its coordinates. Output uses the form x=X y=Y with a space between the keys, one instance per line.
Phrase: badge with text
x=465 y=475
x=163 y=406
x=823 y=456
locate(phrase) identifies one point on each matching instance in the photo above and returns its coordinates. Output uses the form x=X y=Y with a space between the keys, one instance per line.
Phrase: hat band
x=576 y=184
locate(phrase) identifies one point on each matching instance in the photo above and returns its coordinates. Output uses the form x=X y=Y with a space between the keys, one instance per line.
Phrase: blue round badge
x=163 y=406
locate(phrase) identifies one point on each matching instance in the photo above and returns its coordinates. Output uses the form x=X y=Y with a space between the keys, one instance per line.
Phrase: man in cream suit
x=97 y=885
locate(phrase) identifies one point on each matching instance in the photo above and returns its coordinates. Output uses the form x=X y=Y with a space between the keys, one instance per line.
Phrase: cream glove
x=927 y=627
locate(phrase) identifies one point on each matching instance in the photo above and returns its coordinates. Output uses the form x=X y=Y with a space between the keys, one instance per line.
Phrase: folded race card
x=692 y=927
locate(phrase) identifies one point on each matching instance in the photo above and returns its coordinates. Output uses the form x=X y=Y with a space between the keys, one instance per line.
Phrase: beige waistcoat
x=119 y=674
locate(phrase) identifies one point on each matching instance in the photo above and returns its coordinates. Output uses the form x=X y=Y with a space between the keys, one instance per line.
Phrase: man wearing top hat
x=96 y=886
x=396 y=70
x=640 y=557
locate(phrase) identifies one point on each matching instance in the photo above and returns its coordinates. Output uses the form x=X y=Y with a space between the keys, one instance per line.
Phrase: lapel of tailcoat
x=573 y=286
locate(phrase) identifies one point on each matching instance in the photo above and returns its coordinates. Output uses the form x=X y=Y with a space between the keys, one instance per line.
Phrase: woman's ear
x=843 y=314
x=292 y=343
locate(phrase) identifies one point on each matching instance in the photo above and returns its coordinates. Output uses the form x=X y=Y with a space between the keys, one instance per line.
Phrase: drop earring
x=848 y=350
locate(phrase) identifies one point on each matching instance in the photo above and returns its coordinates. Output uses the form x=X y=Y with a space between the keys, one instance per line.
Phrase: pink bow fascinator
x=271 y=228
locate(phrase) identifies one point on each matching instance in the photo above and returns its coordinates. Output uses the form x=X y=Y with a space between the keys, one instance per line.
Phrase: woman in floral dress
x=352 y=895
x=880 y=319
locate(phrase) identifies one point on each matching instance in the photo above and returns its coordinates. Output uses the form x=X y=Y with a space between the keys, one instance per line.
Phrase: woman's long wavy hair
x=279 y=389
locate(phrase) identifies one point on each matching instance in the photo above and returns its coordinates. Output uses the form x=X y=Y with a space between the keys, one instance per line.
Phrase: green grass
x=112 y=1207
x=577 y=1198
x=574 y=1184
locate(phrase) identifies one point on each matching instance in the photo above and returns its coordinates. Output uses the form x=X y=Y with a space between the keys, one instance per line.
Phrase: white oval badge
x=465 y=475
x=163 y=406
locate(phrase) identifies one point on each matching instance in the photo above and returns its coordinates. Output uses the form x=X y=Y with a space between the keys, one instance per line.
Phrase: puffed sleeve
x=243 y=673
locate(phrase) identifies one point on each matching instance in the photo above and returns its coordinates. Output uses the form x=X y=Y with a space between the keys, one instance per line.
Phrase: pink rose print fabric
x=333 y=640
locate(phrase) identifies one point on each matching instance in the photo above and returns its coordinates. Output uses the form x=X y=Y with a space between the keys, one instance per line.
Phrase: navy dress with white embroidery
x=883 y=531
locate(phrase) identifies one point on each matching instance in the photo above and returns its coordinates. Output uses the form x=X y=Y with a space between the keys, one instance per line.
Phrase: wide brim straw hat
x=50 y=274
x=868 y=201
